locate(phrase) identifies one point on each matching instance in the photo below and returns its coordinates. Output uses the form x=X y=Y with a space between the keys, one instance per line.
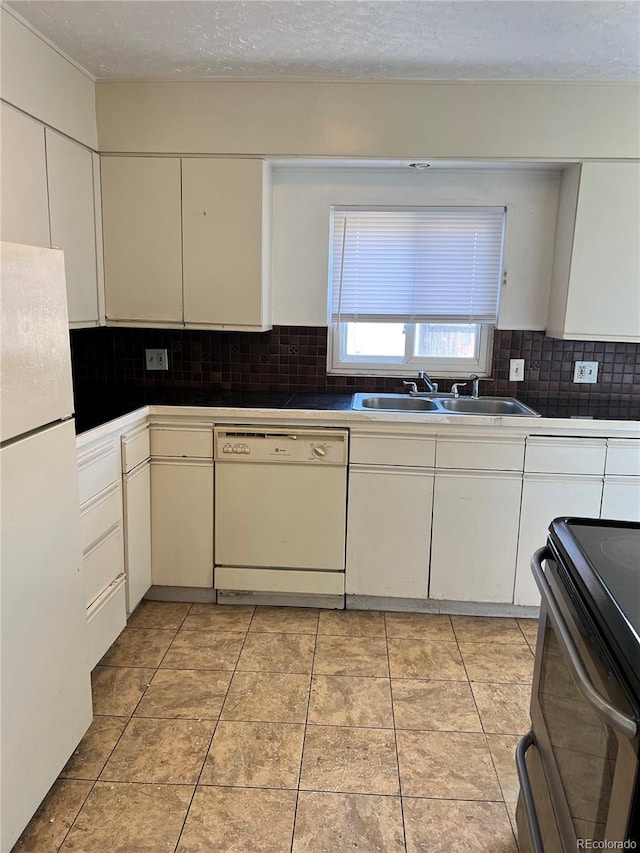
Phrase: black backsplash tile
x=293 y=358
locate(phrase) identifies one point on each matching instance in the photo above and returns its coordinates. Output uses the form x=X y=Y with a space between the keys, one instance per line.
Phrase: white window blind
x=416 y=265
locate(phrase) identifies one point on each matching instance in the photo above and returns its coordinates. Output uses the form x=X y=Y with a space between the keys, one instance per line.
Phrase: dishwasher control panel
x=255 y=444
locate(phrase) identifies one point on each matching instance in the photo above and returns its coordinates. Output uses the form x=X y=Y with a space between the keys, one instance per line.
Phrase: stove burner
x=623 y=550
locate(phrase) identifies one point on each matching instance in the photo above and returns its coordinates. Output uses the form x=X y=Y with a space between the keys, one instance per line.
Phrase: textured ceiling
x=581 y=40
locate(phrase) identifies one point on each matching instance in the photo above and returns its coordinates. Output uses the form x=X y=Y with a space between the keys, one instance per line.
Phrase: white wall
x=389 y=119
x=302 y=198
x=41 y=82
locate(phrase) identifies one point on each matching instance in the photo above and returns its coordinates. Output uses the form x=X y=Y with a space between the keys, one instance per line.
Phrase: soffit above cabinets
x=344 y=39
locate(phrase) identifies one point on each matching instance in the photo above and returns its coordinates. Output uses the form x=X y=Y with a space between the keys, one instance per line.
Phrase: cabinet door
x=388 y=532
x=142 y=240
x=225 y=244
x=474 y=536
x=71 y=203
x=137 y=532
x=621 y=498
x=25 y=211
x=543 y=499
x=182 y=522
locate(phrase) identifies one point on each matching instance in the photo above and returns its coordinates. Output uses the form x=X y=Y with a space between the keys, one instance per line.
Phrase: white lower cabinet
x=545 y=497
x=389 y=532
x=621 y=498
x=182 y=522
x=137 y=531
x=474 y=535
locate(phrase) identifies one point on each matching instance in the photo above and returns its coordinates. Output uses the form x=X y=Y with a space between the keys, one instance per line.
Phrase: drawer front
x=166 y=441
x=623 y=457
x=102 y=564
x=392 y=450
x=477 y=454
x=106 y=619
x=565 y=456
x=99 y=515
x=135 y=448
x=97 y=470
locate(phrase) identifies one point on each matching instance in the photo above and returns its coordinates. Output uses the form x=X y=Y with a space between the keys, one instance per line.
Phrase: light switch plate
x=585 y=371
x=156 y=359
x=516 y=369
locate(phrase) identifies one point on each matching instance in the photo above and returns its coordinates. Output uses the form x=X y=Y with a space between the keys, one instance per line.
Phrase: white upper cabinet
x=226 y=243
x=25 y=214
x=186 y=242
x=596 y=272
x=72 y=212
x=142 y=240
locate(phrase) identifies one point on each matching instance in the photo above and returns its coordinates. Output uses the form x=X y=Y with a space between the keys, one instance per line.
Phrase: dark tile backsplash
x=293 y=358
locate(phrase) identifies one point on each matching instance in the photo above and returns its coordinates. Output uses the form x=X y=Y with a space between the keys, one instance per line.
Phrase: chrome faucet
x=455 y=386
x=432 y=387
x=412 y=388
x=475 y=392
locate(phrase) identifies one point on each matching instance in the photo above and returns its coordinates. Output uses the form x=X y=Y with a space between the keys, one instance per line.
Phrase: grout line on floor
x=395 y=737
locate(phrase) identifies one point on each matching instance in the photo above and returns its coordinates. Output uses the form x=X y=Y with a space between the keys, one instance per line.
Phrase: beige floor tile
x=498 y=662
x=218 y=617
x=350 y=760
x=504 y=708
x=139 y=647
x=347 y=700
x=94 y=749
x=273 y=697
x=450 y=826
x=123 y=817
x=254 y=755
x=419 y=626
x=159 y=614
x=49 y=825
x=486 y=629
x=239 y=820
x=202 y=650
x=503 y=753
x=448 y=765
x=351 y=623
x=425 y=659
x=344 y=823
x=170 y=751
x=285 y=620
x=529 y=628
x=117 y=690
x=351 y=656
x=446 y=706
x=277 y=653
x=185 y=693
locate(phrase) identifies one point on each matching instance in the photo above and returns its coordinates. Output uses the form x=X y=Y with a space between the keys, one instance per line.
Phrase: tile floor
x=277 y=730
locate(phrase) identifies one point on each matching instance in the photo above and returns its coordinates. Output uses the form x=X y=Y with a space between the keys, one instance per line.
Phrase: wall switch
x=585 y=371
x=516 y=369
x=156 y=359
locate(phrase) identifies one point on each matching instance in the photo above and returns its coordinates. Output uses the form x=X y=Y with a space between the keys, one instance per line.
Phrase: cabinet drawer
x=166 y=441
x=565 y=456
x=135 y=448
x=106 y=619
x=480 y=454
x=623 y=457
x=99 y=515
x=102 y=564
x=98 y=469
x=390 y=449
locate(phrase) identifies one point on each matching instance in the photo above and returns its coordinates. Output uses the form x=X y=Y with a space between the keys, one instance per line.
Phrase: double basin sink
x=443 y=404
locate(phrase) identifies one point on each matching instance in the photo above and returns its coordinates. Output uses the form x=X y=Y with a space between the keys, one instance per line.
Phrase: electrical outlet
x=585 y=371
x=516 y=369
x=156 y=359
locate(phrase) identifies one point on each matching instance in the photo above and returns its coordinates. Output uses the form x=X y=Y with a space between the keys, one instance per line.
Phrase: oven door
x=583 y=722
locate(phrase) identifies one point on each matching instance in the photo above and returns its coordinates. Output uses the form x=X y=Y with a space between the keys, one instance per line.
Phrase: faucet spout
x=475 y=386
x=432 y=386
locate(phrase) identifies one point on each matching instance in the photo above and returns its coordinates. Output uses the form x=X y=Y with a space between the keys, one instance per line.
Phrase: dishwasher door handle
x=617 y=719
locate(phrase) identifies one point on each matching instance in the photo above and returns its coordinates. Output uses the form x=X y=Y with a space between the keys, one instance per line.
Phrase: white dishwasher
x=280 y=514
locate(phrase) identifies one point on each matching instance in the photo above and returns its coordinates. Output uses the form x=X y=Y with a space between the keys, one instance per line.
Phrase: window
x=414 y=288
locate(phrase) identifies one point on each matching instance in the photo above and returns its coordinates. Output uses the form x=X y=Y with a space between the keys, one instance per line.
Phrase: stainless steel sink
x=395 y=403
x=443 y=405
x=488 y=406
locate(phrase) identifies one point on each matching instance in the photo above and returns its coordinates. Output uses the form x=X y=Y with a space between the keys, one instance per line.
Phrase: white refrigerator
x=45 y=681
